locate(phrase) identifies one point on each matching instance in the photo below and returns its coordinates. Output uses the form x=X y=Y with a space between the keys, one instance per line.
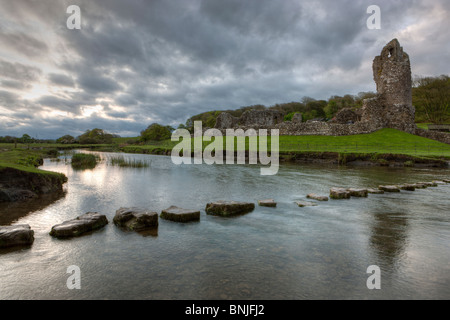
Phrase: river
x=282 y=253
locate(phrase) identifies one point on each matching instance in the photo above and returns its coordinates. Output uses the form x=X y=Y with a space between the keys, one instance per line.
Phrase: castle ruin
x=391 y=108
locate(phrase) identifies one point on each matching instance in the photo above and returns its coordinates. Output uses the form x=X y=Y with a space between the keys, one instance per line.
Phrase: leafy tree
x=67 y=139
x=289 y=116
x=156 y=132
x=95 y=136
x=431 y=97
x=26 y=139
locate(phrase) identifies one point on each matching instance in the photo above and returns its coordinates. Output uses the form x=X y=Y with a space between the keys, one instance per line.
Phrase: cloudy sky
x=136 y=62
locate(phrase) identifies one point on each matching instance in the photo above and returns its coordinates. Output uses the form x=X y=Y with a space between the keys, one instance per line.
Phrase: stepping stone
x=339 y=193
x=354 y=192
x=446 y=180
x=438 y=182
x=408 y=187
x=306 y=204
x=389 y=188
x=267 y=203
x=429 y=184
x=419 y=185
x=228 y=208
x=17 y=235
x=375 y=191
x=176 y=214
x=76 y=227
x=135 y=219
x=317 y=197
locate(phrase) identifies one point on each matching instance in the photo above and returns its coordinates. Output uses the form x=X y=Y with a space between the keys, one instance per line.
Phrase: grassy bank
x=385 y=141
x=20 y=178
x=377 y=145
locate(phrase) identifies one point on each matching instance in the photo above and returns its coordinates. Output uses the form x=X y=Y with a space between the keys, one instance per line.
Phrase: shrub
x=156 y=132
x=84 y=161
x=95 y=136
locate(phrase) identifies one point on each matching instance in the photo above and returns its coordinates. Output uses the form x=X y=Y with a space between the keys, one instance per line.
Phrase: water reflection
x=285 y=252
x=11 y=212
x=389 y=236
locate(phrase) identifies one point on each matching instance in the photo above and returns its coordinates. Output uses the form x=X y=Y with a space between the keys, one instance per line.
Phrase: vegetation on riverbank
x=84 y=161
x=379 y=146
x=385 y=141
x=120 y=161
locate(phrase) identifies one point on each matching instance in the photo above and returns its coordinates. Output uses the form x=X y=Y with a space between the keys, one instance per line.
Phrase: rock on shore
x=76 y=227
x=229 y=208
x=177 y=214
x=135 y=219
x=17 y=235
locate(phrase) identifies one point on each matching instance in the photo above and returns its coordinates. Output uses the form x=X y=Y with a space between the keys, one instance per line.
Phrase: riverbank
x=386 y=147
x=20 y=179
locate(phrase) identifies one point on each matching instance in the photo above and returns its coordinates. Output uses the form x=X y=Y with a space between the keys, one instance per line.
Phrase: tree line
x=430 y=96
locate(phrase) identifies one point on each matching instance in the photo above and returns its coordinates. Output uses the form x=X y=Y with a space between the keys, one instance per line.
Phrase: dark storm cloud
x=61 y=80
x=23 y=44
x=168 y=60
x=18 y=71
x=96 y=83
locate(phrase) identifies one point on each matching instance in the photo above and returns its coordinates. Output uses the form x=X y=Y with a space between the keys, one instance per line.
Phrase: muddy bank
x=388 y=160
x=18 y=185
x=391 y=160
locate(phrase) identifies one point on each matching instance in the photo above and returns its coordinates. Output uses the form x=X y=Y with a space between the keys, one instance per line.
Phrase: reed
x=120 y=161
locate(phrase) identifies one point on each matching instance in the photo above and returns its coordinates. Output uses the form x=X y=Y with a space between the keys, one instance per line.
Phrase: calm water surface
x=285 y=252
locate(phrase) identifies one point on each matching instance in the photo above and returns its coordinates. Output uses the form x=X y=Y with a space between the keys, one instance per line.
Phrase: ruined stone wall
x=391 y=108
x=435 y=135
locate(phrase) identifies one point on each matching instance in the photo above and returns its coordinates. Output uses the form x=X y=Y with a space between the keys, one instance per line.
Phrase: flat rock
x=408 y=187
x=267 y=203
x=339 y=193
x=17 y=235
x=228 y=208
x=306 y=204
x=355 y=192
x=428 y=184
x=76 y=227
x=177 y=214
x=135 y=219
x=419 y=185
x=446 y=180
x=389 y=188
x=375 y=191
x=439 y=182
x=317 y=197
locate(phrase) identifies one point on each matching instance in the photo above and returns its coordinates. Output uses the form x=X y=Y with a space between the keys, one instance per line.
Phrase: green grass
x=385 y=141
x=120 y=161
x=25 y=160
x=84 y=161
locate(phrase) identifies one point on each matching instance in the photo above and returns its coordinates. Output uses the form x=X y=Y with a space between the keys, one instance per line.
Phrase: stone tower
x=392 y=108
